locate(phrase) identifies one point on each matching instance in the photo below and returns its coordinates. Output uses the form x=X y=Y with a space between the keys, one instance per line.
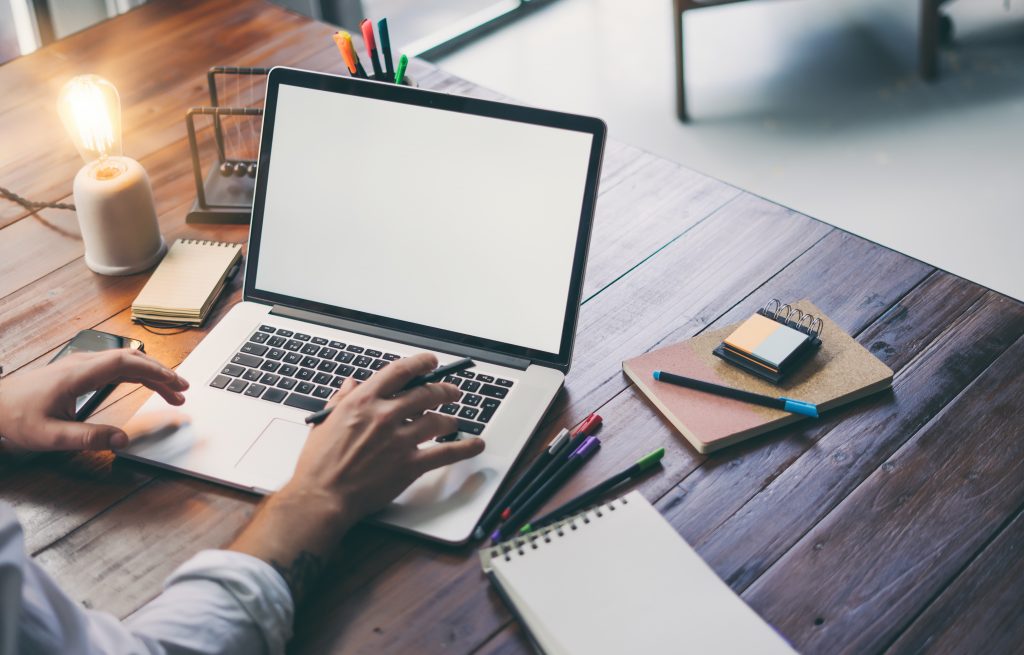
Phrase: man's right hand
x=354 y=463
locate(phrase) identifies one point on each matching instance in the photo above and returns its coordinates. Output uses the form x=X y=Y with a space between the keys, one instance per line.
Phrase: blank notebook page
x=626 y=582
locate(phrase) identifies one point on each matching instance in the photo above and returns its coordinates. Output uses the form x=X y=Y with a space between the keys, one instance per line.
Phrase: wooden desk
x=894 y=523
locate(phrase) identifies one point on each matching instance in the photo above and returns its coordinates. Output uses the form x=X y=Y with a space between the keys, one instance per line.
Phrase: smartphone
x=91 y=341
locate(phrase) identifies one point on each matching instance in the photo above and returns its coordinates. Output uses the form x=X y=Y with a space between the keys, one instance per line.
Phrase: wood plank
x=853 y=310
x=42 y=159
x=901 y=536
x=164 y=153
x=728 y=481
x=980 y=611
x=90 y=483
x=171 y=510
x=749 y=541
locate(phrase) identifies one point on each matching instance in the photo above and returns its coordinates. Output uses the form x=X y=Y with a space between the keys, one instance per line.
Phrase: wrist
x=329 y=513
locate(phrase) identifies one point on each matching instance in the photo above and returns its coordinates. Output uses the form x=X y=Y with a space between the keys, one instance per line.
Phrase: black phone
x=91 y=341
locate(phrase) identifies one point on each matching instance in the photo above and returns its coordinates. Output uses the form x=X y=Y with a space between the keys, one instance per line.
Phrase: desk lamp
x=113 y=197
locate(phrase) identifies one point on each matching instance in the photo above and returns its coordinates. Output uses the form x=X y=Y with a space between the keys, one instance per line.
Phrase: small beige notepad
x=619 y=579
x=187 y=282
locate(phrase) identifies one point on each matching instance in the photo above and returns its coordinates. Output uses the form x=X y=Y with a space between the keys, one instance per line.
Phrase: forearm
x=295 y=532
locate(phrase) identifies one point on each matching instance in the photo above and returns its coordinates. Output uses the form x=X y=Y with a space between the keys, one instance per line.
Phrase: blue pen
x=783 y=403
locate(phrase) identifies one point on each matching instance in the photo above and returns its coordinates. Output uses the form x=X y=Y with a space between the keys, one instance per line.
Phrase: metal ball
x=240 y=168
x=252 y=169
x=227 y=168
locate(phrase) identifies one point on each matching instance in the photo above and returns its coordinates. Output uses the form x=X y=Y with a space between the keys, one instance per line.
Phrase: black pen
x=783 y=403
x=438 y=373
x=590 y=496
x=586 y=428
x=490 y=520
x=577 y=459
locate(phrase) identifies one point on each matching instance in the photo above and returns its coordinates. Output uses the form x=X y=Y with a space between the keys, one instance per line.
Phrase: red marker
x=371 y=47
x=586 y=428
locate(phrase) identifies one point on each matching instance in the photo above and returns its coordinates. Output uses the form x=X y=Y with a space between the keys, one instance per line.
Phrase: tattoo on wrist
x=301 y=575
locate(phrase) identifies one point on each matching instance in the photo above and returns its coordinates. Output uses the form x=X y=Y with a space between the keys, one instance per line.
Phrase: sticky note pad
x=769 y=341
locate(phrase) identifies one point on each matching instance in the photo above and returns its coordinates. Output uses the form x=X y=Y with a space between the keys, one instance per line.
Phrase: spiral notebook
x=773 y=342
x=619 y=579
x=188 y=281
x=839 y=372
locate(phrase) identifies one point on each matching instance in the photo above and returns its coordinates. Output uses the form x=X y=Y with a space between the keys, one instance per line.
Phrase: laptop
x=389 y=221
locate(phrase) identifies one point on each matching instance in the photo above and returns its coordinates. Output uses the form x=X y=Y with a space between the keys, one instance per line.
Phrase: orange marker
x=344 y=42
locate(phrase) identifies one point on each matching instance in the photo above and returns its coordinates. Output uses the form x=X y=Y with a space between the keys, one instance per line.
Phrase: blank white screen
x=439 y=218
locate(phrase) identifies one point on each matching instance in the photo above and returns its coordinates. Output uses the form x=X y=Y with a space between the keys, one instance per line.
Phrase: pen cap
x=587 y=448
x=589 y=424
x=650 y=459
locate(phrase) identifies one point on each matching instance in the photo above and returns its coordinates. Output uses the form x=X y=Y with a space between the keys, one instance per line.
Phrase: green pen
x=588 y=497
x=403 y=61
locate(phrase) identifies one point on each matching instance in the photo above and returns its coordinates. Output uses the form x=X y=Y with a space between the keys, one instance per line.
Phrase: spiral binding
x=794 y=318
x=532 y=540
x=206 y=242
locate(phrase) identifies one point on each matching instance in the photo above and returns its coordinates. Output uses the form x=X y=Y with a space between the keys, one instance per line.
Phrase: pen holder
x=383 y=77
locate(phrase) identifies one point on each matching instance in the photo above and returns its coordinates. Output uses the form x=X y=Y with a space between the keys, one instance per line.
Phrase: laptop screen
x=459 y=222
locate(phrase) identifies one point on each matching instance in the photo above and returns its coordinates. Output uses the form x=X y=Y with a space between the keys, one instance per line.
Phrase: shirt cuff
x=259 y=589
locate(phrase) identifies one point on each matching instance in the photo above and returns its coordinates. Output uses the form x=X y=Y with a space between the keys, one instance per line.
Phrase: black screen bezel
x=393 y=93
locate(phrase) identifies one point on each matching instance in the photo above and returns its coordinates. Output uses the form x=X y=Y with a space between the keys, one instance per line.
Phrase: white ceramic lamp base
x=116 y=214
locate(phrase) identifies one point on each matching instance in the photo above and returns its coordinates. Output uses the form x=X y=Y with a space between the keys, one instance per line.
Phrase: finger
x=427 y=459
x=347 y=387
x=67 y=435
x=427 y=427
x=414 y=402
x=126 y=365
x=389 y=380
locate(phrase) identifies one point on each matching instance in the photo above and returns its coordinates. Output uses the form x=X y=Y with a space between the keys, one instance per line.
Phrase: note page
x=626 y=582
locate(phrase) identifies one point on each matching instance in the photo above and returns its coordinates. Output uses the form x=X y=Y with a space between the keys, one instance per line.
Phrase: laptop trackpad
x=270 y=460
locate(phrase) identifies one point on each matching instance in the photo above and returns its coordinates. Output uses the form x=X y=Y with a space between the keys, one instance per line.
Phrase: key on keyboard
x=303 y=371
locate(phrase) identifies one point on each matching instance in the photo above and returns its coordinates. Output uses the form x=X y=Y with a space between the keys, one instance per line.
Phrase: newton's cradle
x=225 y=195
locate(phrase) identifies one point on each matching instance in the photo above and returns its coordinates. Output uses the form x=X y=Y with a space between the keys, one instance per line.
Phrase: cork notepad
x=841 y=372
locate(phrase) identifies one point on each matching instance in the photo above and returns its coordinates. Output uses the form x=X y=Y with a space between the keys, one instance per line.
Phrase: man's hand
x=362 y=456
x=37 y=408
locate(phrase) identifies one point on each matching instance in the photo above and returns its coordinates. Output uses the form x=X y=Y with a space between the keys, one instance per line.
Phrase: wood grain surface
x=893 y=524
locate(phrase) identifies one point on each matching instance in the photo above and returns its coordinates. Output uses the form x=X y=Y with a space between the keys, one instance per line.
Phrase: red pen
x=585 y=429
x=371 y=48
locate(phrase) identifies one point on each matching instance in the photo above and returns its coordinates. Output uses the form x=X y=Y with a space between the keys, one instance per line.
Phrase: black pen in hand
x=439 y=373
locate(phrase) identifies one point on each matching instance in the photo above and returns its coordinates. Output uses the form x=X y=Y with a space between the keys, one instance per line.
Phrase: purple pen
x=576 y=460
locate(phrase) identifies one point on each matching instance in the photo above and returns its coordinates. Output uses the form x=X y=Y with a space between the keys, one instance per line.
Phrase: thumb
x=448 y=453
x=67 y=435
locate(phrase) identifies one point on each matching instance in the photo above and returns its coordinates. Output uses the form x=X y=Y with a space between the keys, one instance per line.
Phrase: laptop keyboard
x=303 y=371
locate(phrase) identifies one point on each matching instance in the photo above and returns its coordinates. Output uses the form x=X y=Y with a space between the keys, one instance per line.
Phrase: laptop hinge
x=401 y=337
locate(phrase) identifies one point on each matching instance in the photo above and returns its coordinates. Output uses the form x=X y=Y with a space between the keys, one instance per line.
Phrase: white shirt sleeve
x=217 y=602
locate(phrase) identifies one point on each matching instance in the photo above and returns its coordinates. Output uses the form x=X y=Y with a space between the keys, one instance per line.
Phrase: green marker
x=588 y=497
x=403 y=61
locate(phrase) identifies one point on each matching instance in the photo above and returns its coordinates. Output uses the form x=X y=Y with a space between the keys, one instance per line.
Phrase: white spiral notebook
x=619 y=579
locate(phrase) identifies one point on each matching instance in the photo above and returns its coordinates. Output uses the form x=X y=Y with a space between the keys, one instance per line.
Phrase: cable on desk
x=33 y=205
x=153 y=326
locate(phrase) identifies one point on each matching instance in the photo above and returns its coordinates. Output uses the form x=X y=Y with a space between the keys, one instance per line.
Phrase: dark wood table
x=892 y=524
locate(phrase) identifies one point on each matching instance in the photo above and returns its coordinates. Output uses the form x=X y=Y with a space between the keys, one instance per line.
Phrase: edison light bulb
x=90 y=108
x=113 y=197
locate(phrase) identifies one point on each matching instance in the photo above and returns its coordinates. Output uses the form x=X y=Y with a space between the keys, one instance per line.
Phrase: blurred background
x=820 y=105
